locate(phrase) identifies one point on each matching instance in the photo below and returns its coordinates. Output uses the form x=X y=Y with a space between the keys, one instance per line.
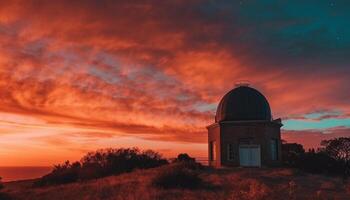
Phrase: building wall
x=259 y=133
x=214 y=135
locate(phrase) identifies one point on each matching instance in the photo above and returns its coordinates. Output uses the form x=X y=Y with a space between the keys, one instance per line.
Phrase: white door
x=255 y=156
x=244 y=156
x=249 y=155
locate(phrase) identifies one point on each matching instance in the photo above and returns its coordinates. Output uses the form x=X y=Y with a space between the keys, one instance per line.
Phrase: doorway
x=249 y=156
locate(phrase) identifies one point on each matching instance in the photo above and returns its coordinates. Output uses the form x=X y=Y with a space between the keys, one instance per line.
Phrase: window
x=212 y=151
x=230 y=152
x=274 y=149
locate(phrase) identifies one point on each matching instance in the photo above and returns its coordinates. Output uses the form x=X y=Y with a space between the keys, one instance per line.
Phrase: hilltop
x=237 y=183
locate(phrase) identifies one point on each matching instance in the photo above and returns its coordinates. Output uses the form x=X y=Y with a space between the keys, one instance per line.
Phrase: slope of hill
x=252 y=184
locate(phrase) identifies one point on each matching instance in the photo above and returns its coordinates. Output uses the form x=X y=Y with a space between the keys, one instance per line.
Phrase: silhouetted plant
x=102 y=163
x=184 y=157
x=339 y=150
x=291 y=153
x=1 y=185
x=188 y=162
x=333 y=158
x=61 y=173
x=177 y=175
x=3 y=196
x=115 y=161
x=318 y=162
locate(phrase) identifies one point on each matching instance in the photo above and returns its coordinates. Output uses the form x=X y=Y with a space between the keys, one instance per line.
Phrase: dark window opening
x=230 y=152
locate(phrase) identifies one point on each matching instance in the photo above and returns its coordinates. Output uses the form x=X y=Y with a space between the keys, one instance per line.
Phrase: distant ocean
x=22 y=173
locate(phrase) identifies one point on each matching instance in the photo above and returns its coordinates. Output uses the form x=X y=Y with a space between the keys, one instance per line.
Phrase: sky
x=76 y=76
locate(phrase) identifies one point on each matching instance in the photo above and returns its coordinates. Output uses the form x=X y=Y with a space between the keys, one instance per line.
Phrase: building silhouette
x=244 y=133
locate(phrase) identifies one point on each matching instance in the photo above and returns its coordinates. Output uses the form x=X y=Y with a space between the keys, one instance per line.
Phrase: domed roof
x=243 y=104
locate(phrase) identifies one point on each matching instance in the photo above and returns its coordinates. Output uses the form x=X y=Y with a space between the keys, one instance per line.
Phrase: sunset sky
x=77 y=76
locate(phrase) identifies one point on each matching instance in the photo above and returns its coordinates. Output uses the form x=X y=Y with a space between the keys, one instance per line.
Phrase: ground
x=238 y=183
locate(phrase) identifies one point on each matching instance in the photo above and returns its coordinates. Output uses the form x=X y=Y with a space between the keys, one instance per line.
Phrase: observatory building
x=244 y=133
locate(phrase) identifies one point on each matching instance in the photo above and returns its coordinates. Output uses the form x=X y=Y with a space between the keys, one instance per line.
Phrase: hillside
x=225 y=184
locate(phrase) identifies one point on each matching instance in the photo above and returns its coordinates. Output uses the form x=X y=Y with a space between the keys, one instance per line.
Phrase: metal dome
x=243 y=104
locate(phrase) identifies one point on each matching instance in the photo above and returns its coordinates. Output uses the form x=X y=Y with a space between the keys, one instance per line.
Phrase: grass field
x=238 y=183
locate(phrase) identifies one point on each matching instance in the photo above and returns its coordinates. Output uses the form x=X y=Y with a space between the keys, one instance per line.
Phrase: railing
x=201 y=160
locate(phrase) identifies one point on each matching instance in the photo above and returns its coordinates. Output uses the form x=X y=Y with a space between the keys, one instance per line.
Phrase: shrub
x=102 y=163
x=177 y=176
x=1 y=185
x=184 y=157
x=291 y=153
x=61 y=174
x=188 y=162
x=339 y=150
x=3 y=196
x=191 y=165
x=320 y=161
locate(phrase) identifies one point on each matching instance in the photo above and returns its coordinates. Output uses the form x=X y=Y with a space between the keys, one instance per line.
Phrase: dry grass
x=245 y=184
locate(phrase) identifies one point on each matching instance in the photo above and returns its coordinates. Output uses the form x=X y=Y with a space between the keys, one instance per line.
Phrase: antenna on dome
x=240 y=83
